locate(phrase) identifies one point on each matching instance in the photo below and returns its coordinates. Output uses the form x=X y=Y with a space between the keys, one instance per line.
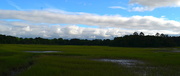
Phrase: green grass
x=73 y=66
x=79 y=61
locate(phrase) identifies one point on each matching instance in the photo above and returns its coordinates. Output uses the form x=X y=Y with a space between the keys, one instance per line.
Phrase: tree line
x=4 y=39
x=134 y=40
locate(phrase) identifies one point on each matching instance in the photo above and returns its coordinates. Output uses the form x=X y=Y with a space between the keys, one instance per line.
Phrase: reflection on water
x=124 y=62
x=176 y=51
x=42 y=51
x=130 y=64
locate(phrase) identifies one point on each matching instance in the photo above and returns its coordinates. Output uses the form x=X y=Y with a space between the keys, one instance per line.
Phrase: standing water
x=42 y=51
x=124 y=62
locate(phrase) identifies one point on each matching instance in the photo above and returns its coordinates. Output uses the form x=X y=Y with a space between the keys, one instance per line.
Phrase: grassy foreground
x=81 y=61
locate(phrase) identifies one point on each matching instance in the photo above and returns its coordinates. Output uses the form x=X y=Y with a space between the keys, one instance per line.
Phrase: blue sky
x=88 y=19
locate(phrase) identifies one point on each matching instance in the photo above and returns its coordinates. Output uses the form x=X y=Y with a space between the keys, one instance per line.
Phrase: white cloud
x=141 y=9
x=118 y=7
x=149 y=5
x=48 y=24
x=137 y=22
x=58 y=31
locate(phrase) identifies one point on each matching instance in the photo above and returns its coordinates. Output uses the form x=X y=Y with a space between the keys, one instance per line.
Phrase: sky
x=88 y=19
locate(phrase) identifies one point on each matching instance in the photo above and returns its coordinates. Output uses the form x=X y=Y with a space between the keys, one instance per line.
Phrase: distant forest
x=134 y=40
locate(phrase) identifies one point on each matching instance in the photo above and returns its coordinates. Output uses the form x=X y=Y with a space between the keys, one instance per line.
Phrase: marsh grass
x=73 y=66
x=79 y=61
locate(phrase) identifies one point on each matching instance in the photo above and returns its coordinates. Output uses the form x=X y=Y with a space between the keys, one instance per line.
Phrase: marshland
x=73 y=60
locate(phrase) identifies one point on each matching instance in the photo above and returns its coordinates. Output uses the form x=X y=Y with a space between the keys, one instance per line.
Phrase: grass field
x=83 y=61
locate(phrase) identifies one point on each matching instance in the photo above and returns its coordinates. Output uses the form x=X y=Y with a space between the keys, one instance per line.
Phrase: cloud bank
x=59 y=31
x=49 y=24
x=149 y=5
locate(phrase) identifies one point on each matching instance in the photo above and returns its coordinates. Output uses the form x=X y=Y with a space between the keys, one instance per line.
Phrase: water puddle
x=173 y=50
x=129 y=63
x=176 y=51
x=43 y=51
x=170 y=51
x=124 y=62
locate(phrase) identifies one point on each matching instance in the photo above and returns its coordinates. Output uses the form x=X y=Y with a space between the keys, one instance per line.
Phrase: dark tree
x=157 y=34
x=135 y=33
x=141 y=34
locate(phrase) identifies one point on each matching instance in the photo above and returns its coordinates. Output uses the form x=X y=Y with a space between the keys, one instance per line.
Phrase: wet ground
x=43 y=51
x=129 y=63
x=124 y=62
